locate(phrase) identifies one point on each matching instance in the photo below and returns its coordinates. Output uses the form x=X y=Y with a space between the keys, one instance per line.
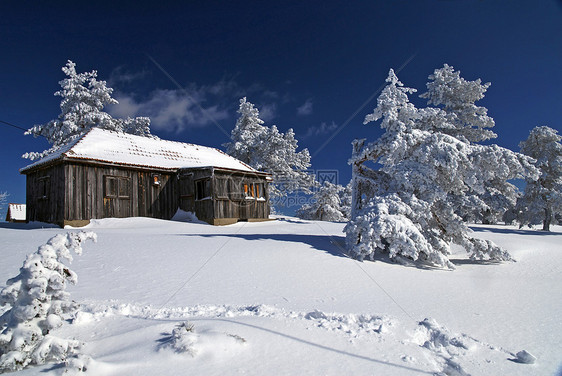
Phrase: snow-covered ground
x=281 y=298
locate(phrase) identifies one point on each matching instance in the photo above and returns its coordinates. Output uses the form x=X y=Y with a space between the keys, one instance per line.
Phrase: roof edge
x=66 y=158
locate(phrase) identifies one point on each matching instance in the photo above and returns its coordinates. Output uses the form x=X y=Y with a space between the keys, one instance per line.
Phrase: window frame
x=260 y=193
x=44 y=187
x=248 y=191
x=156 y=178
x=121 y=188
x=224 y=184
x=202 y=189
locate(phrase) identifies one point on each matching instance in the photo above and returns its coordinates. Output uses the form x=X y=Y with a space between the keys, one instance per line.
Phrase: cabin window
x=259 y=190
x=117 y=187
x=124 y=189
x=221 y=188
x=110 y=186
x=44 y=185
x=253 y=190
x=156 y=179
x=202 y=189
x=236 y=189
x=186 y=185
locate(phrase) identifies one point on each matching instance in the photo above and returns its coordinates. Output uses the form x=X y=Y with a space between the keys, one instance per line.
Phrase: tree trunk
x=355 y=188
x=547 y=219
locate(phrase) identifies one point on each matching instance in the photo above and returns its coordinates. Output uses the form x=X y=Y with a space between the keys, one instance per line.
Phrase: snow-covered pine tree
x=3 y=199
x=248 y=136
x=83 y=100
x=542 y=199
x=403 y=207
x=35 y=302
x=266 y=149
x=345 y=200
x=456 y=96
x=325 y=204
x=470 y=123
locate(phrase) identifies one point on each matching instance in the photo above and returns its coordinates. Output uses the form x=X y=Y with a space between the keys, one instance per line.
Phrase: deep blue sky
x=308 y=65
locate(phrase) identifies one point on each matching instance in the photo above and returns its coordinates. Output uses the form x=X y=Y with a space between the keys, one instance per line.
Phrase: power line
x=185 y=92
x=200 y=268
x=375 y=93
x=12 y=125
x=18 y=127
x=358 y=264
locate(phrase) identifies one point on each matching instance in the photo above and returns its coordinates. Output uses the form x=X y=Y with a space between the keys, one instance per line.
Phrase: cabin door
x=187 y=196
x=117 y=197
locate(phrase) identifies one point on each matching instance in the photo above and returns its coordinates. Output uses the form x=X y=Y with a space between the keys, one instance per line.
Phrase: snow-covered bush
x=77 y=364
x=325 y=204
x=266 y=149
x=183 y=339
x=83 y=100
x=36 y=302
x=542 y=200
x=406 y=207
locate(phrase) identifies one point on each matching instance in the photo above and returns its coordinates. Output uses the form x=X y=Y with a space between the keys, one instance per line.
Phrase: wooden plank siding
x=232 y=201
x=73 y=192
x=77 y=192
x=204 y=208
x=226 y=198
x=44 y=195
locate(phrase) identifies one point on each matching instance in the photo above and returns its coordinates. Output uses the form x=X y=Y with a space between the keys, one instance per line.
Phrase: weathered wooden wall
x=201 y=206
x=157 y=201
x=45 y=195
x=231 y=200
x=86 y=195
x=226 y=198
x=74 y=192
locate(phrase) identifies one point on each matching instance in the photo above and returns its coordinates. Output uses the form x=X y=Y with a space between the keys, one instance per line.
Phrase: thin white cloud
x=127 y=107
x=119 y=76
x=320 y=130
x=170 y=110
x=196 y=106
x=305 y=109
x=268 y=112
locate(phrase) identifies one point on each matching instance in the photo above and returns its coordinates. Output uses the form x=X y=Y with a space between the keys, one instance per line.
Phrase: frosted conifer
x=83 y=100
x=404 y=208
x=470 y=123
x=3 y=199
x=345 y=200
x=542 y=199
x=266 y=149
x=326 y=204
x=456 y=96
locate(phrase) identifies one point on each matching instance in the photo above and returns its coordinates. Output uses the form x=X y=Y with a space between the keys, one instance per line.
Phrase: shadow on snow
x=27 y=226
x=513 y=231
x=330 y=244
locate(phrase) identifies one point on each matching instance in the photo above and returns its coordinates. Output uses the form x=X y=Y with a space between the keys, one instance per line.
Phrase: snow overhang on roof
x=99 y=145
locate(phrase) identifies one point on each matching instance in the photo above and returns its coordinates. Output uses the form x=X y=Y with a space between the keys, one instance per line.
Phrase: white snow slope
x=280 y=298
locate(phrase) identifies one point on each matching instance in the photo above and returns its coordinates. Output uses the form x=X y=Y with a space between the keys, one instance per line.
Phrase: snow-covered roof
x=126 y=149
x=16 y=212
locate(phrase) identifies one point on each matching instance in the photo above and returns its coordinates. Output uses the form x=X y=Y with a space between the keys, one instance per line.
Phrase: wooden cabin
x=15 y=213
x=108 y=174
